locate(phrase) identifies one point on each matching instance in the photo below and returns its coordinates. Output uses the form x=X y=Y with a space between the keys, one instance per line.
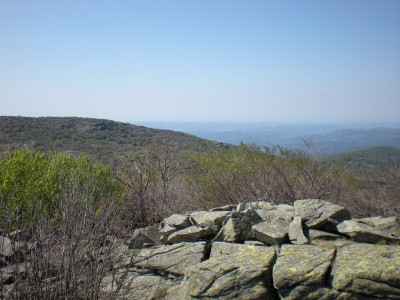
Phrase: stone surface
x=6 y=247
x=192 y=234
x=241 y=275
x=222 y=248
x=141 y=236
x=135 y=287
x=272 y=212
x=296 y=234
x=237 y=227
x=312 y=292
x=318 y=213
x=361 y=232
x=174 y=258
x=166 y=231
x=301 y=265
x=255 y=205
x=224 y=208
x=209 y=218
x=271 y=233
x=370 y=270
x=390 y=226
x=178 y=221
x=326 y=239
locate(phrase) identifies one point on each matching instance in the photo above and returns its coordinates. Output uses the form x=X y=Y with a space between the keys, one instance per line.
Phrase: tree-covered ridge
x=102 y=140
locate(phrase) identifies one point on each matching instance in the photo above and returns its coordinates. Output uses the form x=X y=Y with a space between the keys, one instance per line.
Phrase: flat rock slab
x=178 y=221
x=135 y=287
x=242 y=275
x=141 y=236
x=237 y=227
x=209 y=217
x=192 y=234
x=281 y=211
x=174 y=258
x=221 y=248
x=313 y=292
x=317 y=213
x=390 y=226
x=302 y=265
x=6 y=247
x=274 y=232
x=361 y=232
x=370 y=270
x=296 y=234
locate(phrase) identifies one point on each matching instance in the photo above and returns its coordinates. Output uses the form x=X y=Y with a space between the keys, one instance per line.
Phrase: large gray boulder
x=237 y=227
x=318 y=213
x=6 y=247
x=390 y=226
x=238 y=272
x=192 y=234
x=178 y=221
x=326 y=239
x=174 y=258
x=296 y=234
x=361 y=232
x=172 y=224
x=299 y=269
x=133 y=286
x=207 y=218
x=274 y=232
x=144 y=236
x=273 y=212
x=367 y=270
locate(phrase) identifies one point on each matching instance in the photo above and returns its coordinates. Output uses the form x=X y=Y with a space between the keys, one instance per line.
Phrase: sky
x=202 y=60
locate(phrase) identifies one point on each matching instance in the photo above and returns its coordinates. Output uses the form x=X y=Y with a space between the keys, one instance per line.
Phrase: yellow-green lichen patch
x=368 y=269
x=301 y=264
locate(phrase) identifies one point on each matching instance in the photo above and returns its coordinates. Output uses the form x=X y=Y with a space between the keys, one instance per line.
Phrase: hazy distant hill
x=379 y=157
x=325 y=138
x=102 y=140
x=354 y=139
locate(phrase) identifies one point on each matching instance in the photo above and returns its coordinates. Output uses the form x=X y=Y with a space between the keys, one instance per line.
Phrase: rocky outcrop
x=257 y=250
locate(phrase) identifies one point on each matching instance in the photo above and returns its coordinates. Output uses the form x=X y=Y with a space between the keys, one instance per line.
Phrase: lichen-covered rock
x=273 y=212
x=134 y=287
x=172 y=224
x=313 y=292
x=237 y=227
x=148 y=235
x=361 y=232
x=6 y=247
x=370 y=270
x=390 y=226
x=255 y=205
x=243 y=274
x=174 y=258
x=318 y=213
x=326 y=239
x=209 y=218
x=165 y=232
x=274 y=232
x=222 y=248
x=178 y=221
x=230 y=207
x=192 y=234
x=296 y=234
x=302 y=265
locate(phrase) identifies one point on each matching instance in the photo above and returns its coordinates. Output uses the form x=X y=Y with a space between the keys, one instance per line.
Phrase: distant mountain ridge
x=102 y=140
x=325 y=139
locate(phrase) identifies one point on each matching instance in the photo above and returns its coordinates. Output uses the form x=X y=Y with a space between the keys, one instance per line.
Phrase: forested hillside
x=102 y=140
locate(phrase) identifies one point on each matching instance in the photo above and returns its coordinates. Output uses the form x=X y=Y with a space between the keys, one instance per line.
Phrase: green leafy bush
x=29 y=181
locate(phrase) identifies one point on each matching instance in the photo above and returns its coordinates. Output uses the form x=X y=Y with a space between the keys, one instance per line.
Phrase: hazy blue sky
x=199 y=60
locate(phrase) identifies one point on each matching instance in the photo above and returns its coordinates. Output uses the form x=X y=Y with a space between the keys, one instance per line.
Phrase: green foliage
x=248 y=174
x=29 y=181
